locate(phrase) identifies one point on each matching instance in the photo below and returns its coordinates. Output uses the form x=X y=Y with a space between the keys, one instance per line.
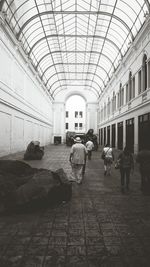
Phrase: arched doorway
x=75 y=120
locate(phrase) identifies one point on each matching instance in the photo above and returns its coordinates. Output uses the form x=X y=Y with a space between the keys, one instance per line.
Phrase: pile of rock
x=24 y=188
x=34 y=151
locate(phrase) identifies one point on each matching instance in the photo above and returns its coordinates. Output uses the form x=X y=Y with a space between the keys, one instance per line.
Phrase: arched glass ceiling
x=75 y=42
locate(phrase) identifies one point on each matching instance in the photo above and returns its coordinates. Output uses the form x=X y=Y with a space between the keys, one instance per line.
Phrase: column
x=111 y=134
x=116 y=137
x=136 y=135
x=124 y=134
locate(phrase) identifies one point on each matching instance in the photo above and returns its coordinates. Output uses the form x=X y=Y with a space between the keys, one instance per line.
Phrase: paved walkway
x=99 y=227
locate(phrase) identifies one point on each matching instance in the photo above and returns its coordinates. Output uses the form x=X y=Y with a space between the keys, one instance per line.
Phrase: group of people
x=80 y=152
x=125 y=163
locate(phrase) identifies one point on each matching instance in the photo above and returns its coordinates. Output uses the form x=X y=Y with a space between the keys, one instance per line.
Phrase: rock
x=29 y=188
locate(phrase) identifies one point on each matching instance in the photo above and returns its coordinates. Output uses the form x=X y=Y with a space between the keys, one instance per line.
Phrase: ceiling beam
x=72 y=64
x=85 y=85
x=76 y=80
x=75 y=36
x=54 y=13
x=85 y=52
x=74 y=72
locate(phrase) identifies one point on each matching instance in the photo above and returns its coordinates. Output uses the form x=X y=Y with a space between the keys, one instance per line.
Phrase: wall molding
x=23 y=112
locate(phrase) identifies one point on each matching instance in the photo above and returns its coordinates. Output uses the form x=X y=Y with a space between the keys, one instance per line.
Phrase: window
x=118 y=99
x=104 y=111
x=80 y=114
x=122 y=96
x=130 y=86
x=108 y=107
x=144 y=72
x=139 y=81
x=67 y=114
x=80 y=126
x=133 y=87
x=127 y=93
x=76 y=114
x=67 y=125
x=76 y=126
x=115 y=103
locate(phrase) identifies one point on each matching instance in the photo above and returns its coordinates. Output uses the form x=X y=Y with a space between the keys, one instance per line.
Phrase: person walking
x=77 y=159
x=143 y=158
x=89 y=146
x=126 y=163
x=108 y=157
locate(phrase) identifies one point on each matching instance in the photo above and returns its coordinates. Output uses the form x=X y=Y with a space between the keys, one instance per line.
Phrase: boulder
x=31 y=188
x=34 y=151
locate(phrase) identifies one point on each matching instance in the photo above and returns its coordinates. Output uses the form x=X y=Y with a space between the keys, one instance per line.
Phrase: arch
x=85 y=85
x=75 y=93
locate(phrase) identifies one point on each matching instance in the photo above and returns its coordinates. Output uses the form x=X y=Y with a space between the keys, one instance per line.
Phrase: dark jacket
x=126 y=160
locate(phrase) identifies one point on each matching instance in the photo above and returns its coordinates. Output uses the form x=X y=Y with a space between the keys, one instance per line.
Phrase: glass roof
x=75 y=42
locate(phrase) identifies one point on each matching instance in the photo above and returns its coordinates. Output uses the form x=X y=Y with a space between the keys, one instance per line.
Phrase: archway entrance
x=75 y=114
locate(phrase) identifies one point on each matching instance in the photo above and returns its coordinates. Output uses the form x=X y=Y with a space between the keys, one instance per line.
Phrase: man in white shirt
x=108 y=159
x=89 y=146
x=77 y=158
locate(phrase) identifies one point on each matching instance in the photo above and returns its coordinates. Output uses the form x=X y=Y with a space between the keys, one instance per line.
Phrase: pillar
x=111 y=134
x=136 y=135
x=116 y=137
x=124 y=134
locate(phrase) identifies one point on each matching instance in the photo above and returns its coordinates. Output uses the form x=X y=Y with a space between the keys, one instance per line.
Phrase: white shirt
x=108 y=152
x=78 y=152
x=89 y=145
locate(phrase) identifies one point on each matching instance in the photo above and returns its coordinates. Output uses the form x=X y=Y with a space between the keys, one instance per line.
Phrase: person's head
x=77 y=140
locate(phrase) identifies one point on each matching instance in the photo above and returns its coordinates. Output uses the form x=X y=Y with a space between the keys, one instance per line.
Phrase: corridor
x=99 y=227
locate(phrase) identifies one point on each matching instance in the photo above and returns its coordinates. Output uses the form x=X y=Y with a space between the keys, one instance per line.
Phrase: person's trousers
x=89 y=154
x=77 y=172
x=125 y=177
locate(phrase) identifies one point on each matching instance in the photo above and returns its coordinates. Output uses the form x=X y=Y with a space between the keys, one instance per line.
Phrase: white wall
x=92 y=109
x=59 y=120
x=25 y=108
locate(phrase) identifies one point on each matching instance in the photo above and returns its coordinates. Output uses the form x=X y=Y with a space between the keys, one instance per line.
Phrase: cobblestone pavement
x=99 y=227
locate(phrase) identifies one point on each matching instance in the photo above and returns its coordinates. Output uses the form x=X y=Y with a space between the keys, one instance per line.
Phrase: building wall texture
x=25 y=108
x=115 y=104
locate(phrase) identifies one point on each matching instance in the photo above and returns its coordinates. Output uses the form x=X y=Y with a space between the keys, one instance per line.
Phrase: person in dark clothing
x=126 y=165
x=143 y=158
